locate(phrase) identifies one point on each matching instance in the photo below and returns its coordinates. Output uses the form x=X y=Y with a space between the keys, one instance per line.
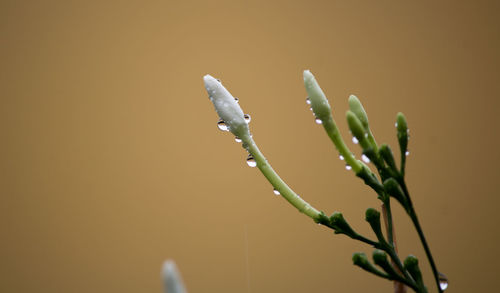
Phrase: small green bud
x=379 y=257
x=369 y=178
x=359 y=259
x=386 y=153
x=393 y=188
x=355 y=126
x=340 y=224
x=319 y=102
x=411 y=265
x=402 y=130
x=357 y=108
x=372 y=216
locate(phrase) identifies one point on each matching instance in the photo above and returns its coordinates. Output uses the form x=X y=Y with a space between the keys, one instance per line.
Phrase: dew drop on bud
x=222 y=125
x=355 y=140
x=365 y=158
x=236 y=100
x=251 y=161
x=247 y=118
x=308 y=101
x=318 y=121
x=396 y=125
x=341 y=157
x=237 y=139
x=276 y=192
x=348 y=167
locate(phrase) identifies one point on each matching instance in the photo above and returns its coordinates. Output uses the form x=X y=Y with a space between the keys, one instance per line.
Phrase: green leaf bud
x=402 y=130
x=411 y=265
x=386 y=153
x=319 y=102
x=359 y=259
x=340 y=225
x=372 y=216
x=393 y=188
x=357 y=108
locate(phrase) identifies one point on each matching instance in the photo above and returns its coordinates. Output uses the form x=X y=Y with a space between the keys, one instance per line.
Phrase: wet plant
x=389 y=184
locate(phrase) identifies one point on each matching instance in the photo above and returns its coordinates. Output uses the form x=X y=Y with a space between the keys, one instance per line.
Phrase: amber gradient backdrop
x=111 y=161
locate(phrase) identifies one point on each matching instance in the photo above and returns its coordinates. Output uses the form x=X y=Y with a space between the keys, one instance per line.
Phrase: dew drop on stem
x=365 y=158
x=237 y=139
x=348 y=167
x=355 y=140
x=341 y=157
x=443 y=281
x=251 y=161
x=308 y=101
x=318 y=121
x=276 y=192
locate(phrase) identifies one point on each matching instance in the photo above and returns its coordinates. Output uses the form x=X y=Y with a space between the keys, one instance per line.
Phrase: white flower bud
x=172 y=278
x=226 y=106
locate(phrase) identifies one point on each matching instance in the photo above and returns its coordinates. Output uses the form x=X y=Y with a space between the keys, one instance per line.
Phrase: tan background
x=111 y=161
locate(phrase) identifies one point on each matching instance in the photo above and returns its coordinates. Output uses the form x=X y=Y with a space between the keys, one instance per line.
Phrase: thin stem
x=416 y=223
x=334 y=134
x=277 y=182
x=399 y=287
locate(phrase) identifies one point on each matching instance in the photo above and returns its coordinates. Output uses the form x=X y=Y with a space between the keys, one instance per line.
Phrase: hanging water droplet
x=276 y=192
x=365 y=158
x=237 y=139
x=251 y=161
x=222 y=125
x=355 y=140
x=396 y=125
x=318 y=121
x=308 y=101
x=407 y=153
x=443 y=281
x=348 y=167
x=247 y=118
x=341 y=157
x=236 y=100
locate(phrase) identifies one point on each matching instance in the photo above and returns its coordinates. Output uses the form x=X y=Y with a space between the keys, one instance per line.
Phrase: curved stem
x=277 y=182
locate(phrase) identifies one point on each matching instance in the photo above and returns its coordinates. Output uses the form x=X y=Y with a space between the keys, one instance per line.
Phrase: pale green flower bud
x=227 y=107
x=357 y=108
x=319 y=103
x=171 y=278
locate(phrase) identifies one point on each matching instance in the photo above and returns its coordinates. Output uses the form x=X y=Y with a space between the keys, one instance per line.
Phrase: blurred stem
x=416 y=223
x=277 y=182
x=399 y=287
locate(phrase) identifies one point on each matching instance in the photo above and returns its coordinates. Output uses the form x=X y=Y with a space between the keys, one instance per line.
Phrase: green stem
x=416 y=223
x=277 y=182
x=334 y=134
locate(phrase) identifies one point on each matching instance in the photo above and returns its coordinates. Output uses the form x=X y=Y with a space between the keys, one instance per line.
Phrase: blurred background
x=111 y=161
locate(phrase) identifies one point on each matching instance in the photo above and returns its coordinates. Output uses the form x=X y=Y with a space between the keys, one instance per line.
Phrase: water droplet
x=236 y=100
x=366 y=134
x=218 y=80
x=251 y=161
x=222 y=125
x=308 y=101
x=348 y=167
x=247 y=118
x=365 y=158
x=396 y=125
x=237 y=139
x=318 y=121
x=341 y=157
x=355 y=140
x=407 y=153
x=276 y=192
x=443 y=281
